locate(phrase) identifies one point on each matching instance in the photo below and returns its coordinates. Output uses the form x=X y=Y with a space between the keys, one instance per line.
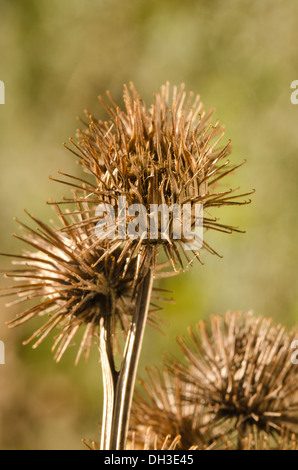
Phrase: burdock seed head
x=242 y=371
x=169 y=153
x=162 y=403
x=77 y=282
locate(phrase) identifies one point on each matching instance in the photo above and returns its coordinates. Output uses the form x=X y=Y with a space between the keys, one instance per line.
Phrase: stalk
x=109 y=376
x=119 y=386
x=127 y=376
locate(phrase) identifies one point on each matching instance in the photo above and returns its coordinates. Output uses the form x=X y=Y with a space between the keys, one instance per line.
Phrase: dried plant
x=242 y=371
x=162 y=403
x=77 y=283
x=167 y=154
x=83 y=283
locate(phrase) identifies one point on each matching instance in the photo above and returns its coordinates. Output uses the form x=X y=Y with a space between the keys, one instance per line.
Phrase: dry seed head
x=170 y=153
x=242 y=370
x=76 y=280
x=162 y=404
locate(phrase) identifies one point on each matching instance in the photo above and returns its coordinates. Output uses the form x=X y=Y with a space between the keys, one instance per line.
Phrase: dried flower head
x=76 y=280
x=242 y=371
x=162 y=404
x=167 y=154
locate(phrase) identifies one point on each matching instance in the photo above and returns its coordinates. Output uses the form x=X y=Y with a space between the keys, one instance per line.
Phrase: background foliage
x=55 y=58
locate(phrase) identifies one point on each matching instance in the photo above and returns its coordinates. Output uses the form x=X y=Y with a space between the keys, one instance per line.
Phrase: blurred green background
x=55 y=59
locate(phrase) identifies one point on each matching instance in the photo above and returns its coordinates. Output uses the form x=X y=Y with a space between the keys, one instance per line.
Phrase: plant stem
x=109 y=375
x=119 y=386
x=127 y=376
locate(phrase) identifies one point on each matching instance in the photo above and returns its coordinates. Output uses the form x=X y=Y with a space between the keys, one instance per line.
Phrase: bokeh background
x=55 y=59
